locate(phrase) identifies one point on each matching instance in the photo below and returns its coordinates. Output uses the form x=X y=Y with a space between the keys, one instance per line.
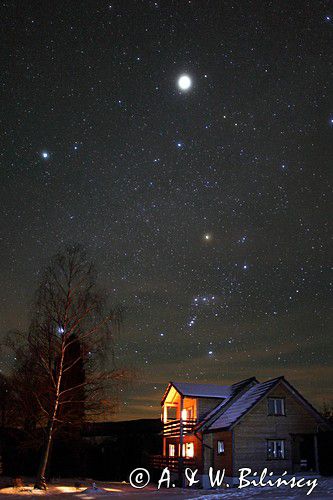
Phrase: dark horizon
x=206 y=209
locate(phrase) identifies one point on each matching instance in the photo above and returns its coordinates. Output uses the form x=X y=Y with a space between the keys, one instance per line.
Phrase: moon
x=184 y=82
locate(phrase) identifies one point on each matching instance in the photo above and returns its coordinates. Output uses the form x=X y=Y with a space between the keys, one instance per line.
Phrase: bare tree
x=5 y=401
x=69 y=333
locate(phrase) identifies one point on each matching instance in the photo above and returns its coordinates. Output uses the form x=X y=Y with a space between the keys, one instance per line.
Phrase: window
x=220 y=447
x=172 y=450
x=276 y=406
x=188 y=450
x=170 y=413
x=275 y=449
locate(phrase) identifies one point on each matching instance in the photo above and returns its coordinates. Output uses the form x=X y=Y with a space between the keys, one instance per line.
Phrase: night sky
x=206 y=210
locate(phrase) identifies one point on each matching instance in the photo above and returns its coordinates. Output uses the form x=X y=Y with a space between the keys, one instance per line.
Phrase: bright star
x=207 y=237
x=184 y=82
x=45 y=155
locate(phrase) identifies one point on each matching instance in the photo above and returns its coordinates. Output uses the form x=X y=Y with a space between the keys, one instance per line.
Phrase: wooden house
x=248 y=424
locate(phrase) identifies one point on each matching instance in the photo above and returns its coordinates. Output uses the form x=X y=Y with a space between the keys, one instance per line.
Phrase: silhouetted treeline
x=105 y=451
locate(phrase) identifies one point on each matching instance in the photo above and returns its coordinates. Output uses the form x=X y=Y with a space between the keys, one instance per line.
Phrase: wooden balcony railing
x=172 y=428
x=172 y=463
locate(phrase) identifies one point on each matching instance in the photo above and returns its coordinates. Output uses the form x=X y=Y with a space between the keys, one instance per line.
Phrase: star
x=184 y=82
x=176 y=163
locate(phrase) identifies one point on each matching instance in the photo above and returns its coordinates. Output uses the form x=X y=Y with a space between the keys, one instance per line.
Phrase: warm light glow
x=184 y=414
x=57 y=489
x=69 y=489
x=172 y=450
x=188 y=450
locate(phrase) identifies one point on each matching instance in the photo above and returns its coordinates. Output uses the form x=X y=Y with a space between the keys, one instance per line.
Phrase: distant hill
x=140 y=426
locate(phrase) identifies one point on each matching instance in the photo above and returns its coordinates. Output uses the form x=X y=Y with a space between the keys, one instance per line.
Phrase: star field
x=187 y=145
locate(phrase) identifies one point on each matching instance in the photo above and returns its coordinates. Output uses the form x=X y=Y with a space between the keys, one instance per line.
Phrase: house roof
x=235 y=389
x=224 y=392
x=199 y=390
x=243 y=404
x=236 y=400
x=202 y=390
x=251 y=397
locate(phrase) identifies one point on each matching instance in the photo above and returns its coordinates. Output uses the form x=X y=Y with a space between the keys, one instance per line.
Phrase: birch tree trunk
x=40 y=483
x=69 y=333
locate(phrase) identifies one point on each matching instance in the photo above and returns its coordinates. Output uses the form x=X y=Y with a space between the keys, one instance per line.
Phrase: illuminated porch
x=172 y=463
x=179 y=414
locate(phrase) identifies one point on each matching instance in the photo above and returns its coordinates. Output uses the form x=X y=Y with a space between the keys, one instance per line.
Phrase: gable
x=257 y=396
x=298 y=418
x=170 y=394
x=218 y=392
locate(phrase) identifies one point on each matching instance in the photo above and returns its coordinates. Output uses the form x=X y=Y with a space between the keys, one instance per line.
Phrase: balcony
x=172 y=463
x=172 y=428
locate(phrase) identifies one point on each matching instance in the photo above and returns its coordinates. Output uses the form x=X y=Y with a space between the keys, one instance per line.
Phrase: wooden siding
x=223 y=461
x=208 y=451
x=252 y=432
x=190 y=403
x=187 y=439
x=205 y=405
x=197 y=449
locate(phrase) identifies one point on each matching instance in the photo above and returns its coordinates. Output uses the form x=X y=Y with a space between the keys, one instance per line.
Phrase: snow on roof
x=234 y=390
x=243 y=404
x=202 y=390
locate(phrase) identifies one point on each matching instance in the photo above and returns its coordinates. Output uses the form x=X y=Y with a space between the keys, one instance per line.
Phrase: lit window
x=220 y=447
x=276 y=406
x=172 y=450
x=188 y=450
x=187 y=413
x=275 y=449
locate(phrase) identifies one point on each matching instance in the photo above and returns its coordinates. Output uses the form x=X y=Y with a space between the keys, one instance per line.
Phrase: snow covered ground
x=67 y=490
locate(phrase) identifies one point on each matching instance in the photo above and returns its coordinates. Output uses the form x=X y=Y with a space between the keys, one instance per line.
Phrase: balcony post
x=181 y=478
